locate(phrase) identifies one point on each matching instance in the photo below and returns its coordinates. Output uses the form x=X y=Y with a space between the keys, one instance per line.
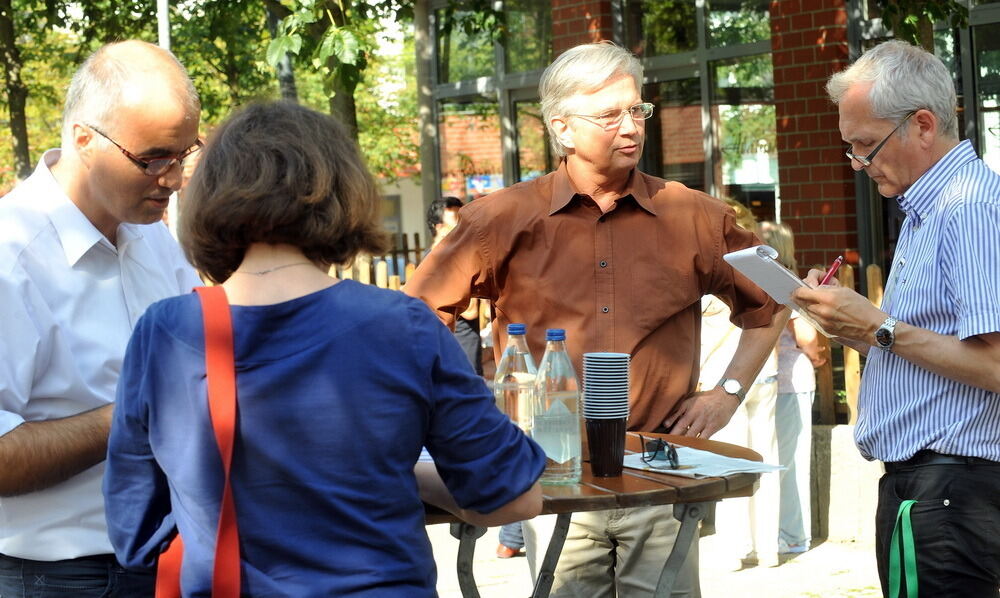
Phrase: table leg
x=467 y=535
x=546 y=574
x=689 y=515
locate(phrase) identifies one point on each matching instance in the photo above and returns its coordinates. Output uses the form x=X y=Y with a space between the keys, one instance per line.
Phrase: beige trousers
x=619 y=552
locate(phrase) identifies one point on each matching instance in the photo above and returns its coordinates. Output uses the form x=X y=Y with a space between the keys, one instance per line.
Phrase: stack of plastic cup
x=605 y=410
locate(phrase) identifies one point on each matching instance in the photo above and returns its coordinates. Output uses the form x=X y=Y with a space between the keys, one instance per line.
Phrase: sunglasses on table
x=656 y=449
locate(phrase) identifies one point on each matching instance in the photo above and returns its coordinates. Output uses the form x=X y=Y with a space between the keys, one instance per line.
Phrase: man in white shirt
x=83 y=253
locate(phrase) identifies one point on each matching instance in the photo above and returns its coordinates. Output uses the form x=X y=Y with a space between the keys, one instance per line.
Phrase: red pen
x=833 y=270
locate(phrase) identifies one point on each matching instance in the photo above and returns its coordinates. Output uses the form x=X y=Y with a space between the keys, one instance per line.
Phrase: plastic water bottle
x=556 y=426
x=513 y=385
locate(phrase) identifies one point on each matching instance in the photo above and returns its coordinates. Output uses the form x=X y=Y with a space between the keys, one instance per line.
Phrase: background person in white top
x=799 y=352
x=747 y=527
x=83 y=253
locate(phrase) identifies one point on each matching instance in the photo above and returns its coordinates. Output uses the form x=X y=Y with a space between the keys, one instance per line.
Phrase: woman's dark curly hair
x=277 y=172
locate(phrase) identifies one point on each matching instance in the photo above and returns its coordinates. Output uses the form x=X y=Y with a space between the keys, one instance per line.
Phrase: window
x=986 y=39
x=732 y=22
x=528 y=40
x=461 y=53
x=534 y=154
x=659 y=27
x=745 y=152
x=675 y=142
x=471 y=157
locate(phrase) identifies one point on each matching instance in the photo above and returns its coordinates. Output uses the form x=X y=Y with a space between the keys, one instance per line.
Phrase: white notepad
x=760 y=265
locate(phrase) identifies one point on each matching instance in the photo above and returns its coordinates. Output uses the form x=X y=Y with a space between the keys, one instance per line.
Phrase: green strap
x=909 y=553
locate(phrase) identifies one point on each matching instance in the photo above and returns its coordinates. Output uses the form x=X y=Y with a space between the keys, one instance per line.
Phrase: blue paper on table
x=696 y=463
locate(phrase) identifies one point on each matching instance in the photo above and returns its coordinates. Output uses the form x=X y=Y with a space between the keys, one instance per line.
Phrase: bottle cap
x=555 y=334
x=516 y=328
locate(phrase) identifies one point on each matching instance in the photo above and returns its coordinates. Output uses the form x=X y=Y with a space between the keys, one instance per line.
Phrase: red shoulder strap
x=221 y=379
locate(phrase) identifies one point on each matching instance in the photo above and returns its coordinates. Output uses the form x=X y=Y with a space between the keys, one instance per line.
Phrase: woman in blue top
x=339 y=386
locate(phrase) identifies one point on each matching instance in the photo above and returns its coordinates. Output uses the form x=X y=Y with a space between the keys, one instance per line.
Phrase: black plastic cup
x=606 y=443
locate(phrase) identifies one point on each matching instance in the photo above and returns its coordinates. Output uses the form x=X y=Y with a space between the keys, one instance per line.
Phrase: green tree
x=335 y=38
x=913 y=20
x=31 y=29
x=222 y=43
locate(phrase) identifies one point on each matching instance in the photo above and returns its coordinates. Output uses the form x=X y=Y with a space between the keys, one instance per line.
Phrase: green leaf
x=346 y=47
x=286 y=44
x=326 y=48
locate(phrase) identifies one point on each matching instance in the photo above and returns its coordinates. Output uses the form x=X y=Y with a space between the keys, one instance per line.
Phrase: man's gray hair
x=582 y=69
x=904 y=78
x=95 y=92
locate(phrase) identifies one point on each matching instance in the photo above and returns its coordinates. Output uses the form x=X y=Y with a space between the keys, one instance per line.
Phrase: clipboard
x=760 y=264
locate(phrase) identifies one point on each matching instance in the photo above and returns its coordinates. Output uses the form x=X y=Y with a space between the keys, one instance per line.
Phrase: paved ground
x=829 y=570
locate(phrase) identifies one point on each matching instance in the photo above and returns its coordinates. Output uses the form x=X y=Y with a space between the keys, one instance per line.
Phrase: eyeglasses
x=656 y=449
x=613 y=118
x=156 y=166
x=866 y=161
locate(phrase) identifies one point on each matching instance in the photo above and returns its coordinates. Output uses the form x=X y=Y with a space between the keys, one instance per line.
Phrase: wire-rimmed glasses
x=657 y=449
x=155 y=166
x=613 y=118
x=866 y=161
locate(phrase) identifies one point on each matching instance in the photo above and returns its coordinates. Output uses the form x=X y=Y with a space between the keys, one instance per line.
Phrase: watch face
x=883 y=336
x=731 y=386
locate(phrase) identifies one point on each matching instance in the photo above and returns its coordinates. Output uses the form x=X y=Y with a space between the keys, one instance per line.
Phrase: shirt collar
x=76 y=233
x=563 y=190
x=918 y=201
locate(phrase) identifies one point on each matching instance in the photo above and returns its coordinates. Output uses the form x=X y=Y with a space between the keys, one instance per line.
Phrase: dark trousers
x=86 y=577
x=956 y=523
x=467 y=335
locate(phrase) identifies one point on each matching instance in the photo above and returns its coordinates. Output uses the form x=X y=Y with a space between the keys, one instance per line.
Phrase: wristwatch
x=885 y=335
x=733 y=387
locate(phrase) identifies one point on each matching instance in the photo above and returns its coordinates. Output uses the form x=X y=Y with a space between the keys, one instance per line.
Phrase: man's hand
x=702 y=414
x=839 y=310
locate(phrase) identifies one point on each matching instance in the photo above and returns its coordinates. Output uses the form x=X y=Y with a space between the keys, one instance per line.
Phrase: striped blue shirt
x=944 y=278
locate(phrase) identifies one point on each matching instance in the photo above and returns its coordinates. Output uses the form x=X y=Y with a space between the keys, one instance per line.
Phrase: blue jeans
x=510 y=536
x=86 y=577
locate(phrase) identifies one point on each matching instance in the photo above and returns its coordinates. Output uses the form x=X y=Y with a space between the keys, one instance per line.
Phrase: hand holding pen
x=833 y=270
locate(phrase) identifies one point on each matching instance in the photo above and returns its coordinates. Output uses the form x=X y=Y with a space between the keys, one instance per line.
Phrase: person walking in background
x=929 y=405
x=333 y=407
x=442 y=217
x=747 y=526
x=799 y=352
x=83 y=253
x=620 y=260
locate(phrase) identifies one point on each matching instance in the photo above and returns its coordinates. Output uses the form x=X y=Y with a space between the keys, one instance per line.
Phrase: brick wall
x=470 y=145
x=577 y=22
x=809 y=43
x=681 y=136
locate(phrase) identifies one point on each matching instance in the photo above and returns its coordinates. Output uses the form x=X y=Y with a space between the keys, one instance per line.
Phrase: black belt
x=96 y=558
x=926 y=457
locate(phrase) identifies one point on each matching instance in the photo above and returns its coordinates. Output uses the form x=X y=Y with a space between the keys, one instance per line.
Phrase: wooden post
x=394 y=282
x=824 y=386
x=825 y=397
x=410 y=268
x=363 y=265
x=406 y=255
x=875 y=282
x=382 y=274
x=852 y=360
x=418 y=251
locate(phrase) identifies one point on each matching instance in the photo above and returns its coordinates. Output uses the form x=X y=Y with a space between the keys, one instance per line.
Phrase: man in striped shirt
x=930 y=394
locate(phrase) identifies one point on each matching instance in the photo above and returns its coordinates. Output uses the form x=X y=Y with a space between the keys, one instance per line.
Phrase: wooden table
x=635 y=488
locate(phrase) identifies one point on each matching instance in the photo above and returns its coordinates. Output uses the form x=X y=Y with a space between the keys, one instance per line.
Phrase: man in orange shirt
x=619 y=259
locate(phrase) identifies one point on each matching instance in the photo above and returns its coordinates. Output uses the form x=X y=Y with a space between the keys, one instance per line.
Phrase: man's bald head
x=123 y=74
